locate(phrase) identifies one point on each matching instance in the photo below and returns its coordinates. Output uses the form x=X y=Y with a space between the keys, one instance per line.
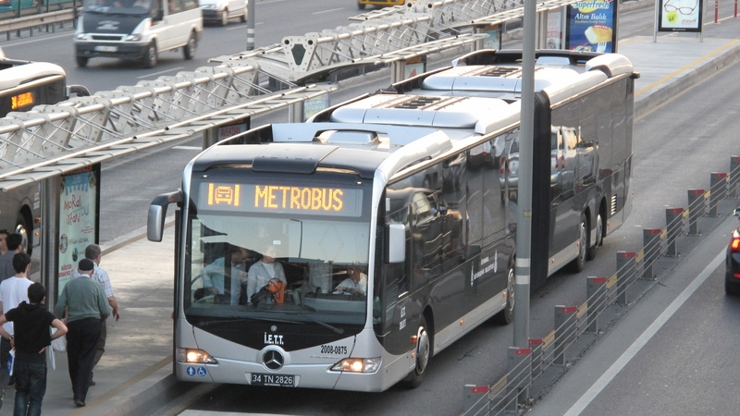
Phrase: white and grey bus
x=382 y=185
x=24 y=85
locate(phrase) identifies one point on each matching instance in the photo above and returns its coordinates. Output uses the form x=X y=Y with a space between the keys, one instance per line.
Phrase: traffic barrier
x=536 y=345
x=626 y=272
x=717 y=190
x=696 y=209
x=651 y=238
x=596 y=301
x=519 y=363
x=601 y=292
x=734 y=176
x=565 y=330
x=674 y=224
x=475 y=400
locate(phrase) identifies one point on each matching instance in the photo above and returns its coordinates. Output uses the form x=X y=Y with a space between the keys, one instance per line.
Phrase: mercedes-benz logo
x=273 y=360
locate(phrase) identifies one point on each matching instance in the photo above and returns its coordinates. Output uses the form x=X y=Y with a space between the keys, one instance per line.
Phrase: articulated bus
x=381 y=190
x=590 y=136
x=23 y=85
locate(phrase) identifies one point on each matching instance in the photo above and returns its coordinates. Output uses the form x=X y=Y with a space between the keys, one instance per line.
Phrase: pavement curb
x=682 y=83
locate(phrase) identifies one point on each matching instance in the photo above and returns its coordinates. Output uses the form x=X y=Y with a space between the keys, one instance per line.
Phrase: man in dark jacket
x=31 y=322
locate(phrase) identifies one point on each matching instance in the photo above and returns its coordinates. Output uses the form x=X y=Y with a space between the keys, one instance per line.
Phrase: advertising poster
x=313 y=105
x=591 y=26
x=680 y=16
x=415 y=66
x=554 y=29
x=493 y=41
x=224 y=132
x=78 y=219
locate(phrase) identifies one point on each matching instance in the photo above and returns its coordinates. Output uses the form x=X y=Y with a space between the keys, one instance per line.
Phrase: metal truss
x=129 y=118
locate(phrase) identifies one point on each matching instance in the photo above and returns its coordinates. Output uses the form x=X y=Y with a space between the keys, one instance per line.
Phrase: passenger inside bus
x=265 y=270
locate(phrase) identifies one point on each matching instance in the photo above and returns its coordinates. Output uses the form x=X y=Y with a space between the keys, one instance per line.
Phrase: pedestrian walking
x=13 y=291
x=94 y=253
x=83 y=305
x=31 y=321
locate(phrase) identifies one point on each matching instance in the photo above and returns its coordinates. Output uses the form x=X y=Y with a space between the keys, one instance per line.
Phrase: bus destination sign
x=21 y=100
x=281 y=199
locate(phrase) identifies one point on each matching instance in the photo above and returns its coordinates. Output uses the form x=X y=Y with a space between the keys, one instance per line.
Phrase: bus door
x=564 y=212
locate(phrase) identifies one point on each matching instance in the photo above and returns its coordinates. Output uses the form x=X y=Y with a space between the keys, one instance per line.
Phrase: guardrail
x=607 y=298
x=35 y=22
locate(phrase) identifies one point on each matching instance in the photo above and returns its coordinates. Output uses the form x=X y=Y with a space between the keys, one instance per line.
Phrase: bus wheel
x=507 y=314
x=579 y=263
x=591 y=252
x=360 y=6
x=423 y=351
x=21 y=228
x=189 y=49
x=150 y=57
x=82 y=61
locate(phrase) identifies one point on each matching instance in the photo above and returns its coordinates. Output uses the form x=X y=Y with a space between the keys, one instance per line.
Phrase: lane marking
x=328 y=11
x=644 y=338
x=161 y=72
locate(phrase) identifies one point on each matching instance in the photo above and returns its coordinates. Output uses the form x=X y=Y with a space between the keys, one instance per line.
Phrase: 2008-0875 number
x=334 y=349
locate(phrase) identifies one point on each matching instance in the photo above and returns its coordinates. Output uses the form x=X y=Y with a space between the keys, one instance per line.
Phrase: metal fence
x=509 y=395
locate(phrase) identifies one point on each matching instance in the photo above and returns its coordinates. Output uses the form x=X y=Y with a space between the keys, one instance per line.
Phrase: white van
x=137 y=29
x=220 y=11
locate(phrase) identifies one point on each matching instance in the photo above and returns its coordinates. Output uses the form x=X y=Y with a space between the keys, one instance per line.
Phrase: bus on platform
x=379 y=194
x=23 y=85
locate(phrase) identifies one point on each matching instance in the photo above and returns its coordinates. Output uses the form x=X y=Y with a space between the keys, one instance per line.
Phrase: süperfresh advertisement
x=591 y=26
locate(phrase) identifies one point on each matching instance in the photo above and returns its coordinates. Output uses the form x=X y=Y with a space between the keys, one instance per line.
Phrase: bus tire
x=423 y=353
x=189 y=50
x=150 y=56
x=591 y=252
x=82 y=61
x=579 y=263
x=360 y=6
x=506 y=316
x=21 y=228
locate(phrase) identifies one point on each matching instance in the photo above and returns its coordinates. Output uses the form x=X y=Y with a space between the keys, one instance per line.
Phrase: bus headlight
x=357 y=365
x=187 y=355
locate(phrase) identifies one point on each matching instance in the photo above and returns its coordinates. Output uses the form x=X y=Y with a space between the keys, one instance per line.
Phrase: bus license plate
x=103 y=48
x=276 y=380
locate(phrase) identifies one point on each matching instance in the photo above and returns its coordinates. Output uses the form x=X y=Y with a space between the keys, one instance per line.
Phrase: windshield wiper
x=231 y=321
x=339 y=331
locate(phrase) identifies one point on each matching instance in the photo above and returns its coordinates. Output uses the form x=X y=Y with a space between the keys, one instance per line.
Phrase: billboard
x=592 y=26
x=79 y=199
x=680 y=16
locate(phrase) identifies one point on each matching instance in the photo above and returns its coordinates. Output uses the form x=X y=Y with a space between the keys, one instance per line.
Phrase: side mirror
x=158 y=212
x=396 y=244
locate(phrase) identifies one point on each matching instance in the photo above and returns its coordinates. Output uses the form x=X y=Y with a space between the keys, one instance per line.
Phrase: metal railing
x=604 y=296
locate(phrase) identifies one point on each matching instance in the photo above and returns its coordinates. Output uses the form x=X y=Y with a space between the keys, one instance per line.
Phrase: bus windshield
x=134 y=7
x=305 y=244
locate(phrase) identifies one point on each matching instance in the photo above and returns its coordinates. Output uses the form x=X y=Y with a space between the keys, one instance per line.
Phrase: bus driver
x=355 y=283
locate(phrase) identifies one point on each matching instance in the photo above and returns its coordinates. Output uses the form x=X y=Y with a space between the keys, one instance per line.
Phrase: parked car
x=732 y=273
x=220 y=11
